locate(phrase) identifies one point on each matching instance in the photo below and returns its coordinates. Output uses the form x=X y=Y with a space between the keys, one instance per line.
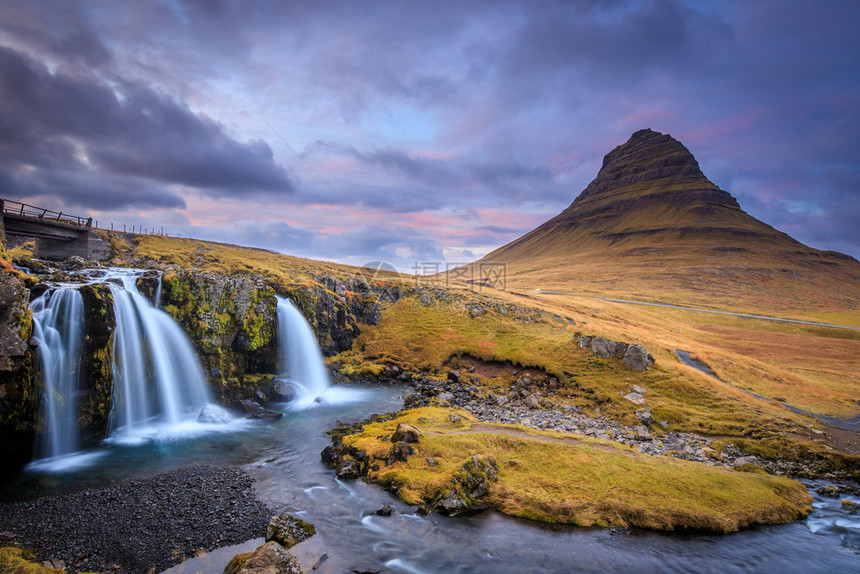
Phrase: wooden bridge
x=58 y=235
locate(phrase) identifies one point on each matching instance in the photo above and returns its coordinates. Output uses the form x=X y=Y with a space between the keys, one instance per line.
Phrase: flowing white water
x=301 y=359
x=158 y=383
x=58 y=320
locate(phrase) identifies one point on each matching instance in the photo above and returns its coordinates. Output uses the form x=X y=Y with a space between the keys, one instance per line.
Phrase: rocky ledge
x=140 y=525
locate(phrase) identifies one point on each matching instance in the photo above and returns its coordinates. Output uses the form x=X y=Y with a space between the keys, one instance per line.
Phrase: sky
x=419 y=132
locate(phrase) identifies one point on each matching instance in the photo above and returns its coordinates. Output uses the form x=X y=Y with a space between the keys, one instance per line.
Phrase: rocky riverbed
x=140 y=525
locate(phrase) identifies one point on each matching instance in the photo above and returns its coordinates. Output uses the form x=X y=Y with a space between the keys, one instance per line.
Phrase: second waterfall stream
x=301 y=359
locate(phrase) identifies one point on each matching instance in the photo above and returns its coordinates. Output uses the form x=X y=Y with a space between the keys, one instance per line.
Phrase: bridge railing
x=18 y=208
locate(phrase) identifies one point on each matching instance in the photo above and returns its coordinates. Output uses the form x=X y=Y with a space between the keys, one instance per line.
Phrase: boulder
x=471 y=483
x=384 y=511
x=288 y=531
x=603 y=347
x=405 y=432
x=638 y=357
x=828 y=491
x=850 y=506
x=532 y=402
x=742 y=460
x=400 y=452
x=213 y=414
x=283 y=390
x=248 y=406
x=265 y=415
x=644 y=415
x=635 y=398
x=270 y=558
x=348 y=468
x=642 y=433
x=453 y=377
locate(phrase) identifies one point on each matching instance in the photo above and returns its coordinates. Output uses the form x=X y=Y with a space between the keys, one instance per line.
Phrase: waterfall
x=58 y=320
x=301 y=359
x=157 y=378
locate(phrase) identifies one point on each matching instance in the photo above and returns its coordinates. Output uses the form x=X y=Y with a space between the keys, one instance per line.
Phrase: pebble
x=141 y=524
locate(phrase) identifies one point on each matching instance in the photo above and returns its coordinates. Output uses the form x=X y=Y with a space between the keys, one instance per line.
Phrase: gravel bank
x=143 y=525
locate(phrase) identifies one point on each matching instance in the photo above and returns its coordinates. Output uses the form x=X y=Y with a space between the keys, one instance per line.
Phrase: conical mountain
x=652 y=226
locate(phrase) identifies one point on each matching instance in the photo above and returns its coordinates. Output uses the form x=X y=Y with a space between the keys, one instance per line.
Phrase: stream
x=284 y=458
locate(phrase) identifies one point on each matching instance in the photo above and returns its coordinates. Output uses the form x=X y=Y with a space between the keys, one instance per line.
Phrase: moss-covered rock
x=232 y=322
x=96 y=360
x=17 y=385
x=288 y=530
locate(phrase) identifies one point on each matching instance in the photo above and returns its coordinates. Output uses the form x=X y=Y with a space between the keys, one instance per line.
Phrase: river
x=284 y=458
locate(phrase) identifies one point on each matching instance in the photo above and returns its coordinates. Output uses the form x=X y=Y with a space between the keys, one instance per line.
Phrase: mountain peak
x=646 y=156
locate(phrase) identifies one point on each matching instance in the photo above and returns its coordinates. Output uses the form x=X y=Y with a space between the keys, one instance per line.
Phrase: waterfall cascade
x=58 y=319
x=158 y=385
x=157 y=378
x=301 y=359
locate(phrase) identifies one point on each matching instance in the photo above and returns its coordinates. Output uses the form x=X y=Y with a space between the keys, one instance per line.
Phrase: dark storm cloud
x=88 y=190
x=72 y=121
x=442 y=107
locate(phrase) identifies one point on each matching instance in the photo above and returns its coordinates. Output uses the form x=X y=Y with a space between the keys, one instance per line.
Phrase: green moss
x=14 y=560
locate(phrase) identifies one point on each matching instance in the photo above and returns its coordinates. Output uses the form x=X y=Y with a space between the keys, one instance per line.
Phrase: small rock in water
x=213 y=414
x=828 y=491
x=850 y=506
x=288 y=530
x=384 y=511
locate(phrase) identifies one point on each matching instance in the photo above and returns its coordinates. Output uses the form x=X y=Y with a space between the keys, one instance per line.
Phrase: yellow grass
x=553 y=477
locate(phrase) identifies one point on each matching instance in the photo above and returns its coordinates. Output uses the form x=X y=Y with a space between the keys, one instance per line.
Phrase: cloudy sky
x=419 y=131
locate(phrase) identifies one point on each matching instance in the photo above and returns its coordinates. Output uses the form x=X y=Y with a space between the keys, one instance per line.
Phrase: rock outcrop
x=634 y=355
x=471 y=485
x=18 y=399
x=270 y=558
x=288 y=530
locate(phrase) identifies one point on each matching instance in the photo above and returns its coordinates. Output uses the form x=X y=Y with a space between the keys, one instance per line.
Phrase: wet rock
x=638 y=357
x=288 y=531
x=347 y=468
x=850 y=506
x=248 y=406
x=283 y=390
x=384 y=511
x=405 y=432
x=213 y=414
x=329 y=455
x=828 y=491
x=270 y=558
x=265 y=415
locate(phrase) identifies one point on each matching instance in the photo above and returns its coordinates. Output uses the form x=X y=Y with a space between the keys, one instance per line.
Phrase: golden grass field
x=553 y=477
